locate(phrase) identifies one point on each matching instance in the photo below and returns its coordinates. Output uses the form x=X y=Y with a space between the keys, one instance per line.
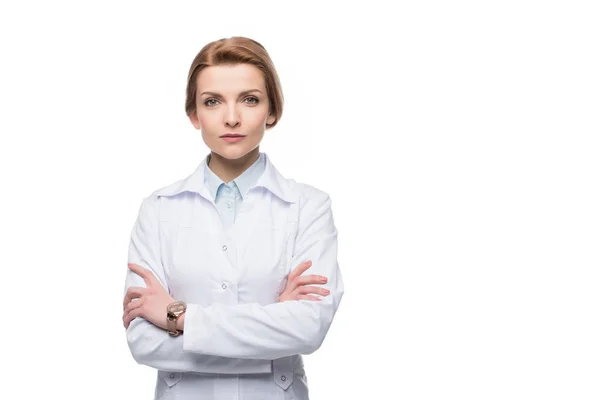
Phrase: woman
x=215 y=298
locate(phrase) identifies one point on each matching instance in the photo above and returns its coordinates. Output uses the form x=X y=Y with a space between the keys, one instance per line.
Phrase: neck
x=227 y=169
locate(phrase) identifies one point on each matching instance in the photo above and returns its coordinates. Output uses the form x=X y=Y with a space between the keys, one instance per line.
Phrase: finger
x=133 y=292
x=131 y=316
x=308 y=297
x=126 y=320
x=299 y=270
x=311 y=279
x=134 y=304
x=313 y=289
x=146 y=274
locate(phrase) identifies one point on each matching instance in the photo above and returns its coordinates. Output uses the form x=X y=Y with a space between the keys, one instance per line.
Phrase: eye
x=208 y=102
x=255 y=100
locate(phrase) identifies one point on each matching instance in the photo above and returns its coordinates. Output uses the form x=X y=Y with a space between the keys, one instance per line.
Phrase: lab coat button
x=224 y=247
x=171 y=378
x=283 y=378
x=224 y=286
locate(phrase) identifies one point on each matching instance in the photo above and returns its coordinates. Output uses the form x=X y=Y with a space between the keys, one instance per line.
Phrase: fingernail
x=323 y=280
x=308 y=263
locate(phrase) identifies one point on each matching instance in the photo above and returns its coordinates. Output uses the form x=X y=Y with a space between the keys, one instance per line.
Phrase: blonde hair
x=236 y=50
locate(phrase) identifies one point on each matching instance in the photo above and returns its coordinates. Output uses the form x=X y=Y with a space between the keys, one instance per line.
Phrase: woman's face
x=231 y=99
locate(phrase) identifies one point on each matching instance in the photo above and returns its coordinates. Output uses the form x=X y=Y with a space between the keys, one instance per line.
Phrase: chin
x=233 y=153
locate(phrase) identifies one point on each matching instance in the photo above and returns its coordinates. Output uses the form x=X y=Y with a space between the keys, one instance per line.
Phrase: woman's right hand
x=297 y=287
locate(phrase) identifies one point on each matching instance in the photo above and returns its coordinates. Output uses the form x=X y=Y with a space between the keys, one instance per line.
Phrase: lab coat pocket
x=190 y=245
x=264 y=267
x=166 y=382
x=299 y=388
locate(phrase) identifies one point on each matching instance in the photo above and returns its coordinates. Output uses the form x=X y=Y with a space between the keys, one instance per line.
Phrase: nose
x=232 y=117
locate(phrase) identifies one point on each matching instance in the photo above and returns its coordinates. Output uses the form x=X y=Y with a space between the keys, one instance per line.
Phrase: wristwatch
x=174 y=311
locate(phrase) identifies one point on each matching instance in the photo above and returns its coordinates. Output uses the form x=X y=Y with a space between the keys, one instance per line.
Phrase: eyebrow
x=219 y=95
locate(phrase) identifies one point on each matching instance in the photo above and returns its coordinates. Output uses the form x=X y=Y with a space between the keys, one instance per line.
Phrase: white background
x=457 y=140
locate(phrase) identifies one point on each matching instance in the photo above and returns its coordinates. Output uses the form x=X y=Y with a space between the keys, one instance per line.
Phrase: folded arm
x=153 y=346
x=253 y=331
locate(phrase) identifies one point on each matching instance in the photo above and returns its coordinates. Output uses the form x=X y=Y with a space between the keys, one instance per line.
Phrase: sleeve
x=277 y=330
x=153 y=346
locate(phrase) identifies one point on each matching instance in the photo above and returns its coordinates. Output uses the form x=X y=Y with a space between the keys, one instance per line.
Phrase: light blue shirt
x=229 y=196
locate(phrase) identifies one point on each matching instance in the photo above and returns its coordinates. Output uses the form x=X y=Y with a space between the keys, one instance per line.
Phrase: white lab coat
x=238 y=342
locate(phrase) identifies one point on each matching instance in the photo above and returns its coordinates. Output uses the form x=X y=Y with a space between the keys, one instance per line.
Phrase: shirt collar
x=270 y=179
x=243 y=182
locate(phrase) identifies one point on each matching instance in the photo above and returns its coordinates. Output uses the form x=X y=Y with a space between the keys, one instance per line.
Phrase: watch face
x=176 y=307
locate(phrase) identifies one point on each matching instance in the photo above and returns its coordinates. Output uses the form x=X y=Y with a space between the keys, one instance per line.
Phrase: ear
x=270 y=119
x=194 y=120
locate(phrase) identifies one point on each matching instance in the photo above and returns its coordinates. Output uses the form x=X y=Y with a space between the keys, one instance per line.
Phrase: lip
x=232 y=139
x=231 y=134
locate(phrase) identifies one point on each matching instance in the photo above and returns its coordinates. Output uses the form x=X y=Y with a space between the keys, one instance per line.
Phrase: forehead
x=230 y=78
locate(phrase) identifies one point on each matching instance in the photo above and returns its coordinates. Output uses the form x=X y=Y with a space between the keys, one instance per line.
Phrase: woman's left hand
x=151 y=303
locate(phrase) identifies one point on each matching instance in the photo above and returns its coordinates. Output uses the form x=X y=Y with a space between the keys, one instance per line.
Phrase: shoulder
x=311 y=196
x=315 y=214
x=171 y=189
x=153 y=196
x=151 y=202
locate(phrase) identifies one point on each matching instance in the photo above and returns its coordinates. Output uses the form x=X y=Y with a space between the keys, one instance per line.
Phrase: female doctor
x=216 y=298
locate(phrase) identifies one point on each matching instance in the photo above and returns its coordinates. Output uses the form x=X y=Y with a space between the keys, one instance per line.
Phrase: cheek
x=257 y=118
x=205 y=120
